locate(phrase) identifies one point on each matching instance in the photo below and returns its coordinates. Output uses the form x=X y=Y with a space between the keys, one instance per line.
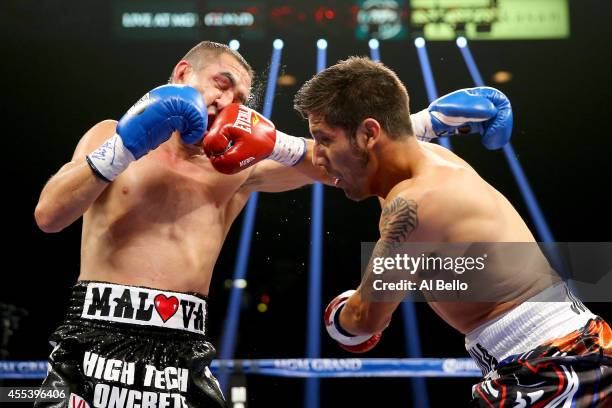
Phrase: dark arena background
x=69 y=64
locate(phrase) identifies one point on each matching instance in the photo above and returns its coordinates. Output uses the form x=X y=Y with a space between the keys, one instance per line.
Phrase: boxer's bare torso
x=428 y=195
x=454 y=204
x=162 y=222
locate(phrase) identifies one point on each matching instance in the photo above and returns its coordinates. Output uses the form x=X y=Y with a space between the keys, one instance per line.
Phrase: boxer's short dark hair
x=354 y=89
x=198 y=54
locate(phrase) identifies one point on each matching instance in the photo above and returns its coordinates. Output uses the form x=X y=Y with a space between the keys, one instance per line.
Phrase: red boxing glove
x=349 y=342
x=240 y=137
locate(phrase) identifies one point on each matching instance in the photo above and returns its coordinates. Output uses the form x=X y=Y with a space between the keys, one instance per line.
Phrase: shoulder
x=436 y=205
x=103 y=129
x=405 y=197
x=445 y=154
x=399 y=215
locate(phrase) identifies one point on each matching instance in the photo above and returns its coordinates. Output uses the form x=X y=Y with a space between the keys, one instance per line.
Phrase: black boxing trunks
x=550 y=351
x=126 y=346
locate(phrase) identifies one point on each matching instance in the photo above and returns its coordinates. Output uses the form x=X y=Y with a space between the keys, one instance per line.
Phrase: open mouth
x=211 y=119
x=336 y=180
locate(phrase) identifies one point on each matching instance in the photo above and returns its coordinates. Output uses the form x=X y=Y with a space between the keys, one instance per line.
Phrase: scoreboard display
x=362 y=19
x=188 y=19
x=490 y=19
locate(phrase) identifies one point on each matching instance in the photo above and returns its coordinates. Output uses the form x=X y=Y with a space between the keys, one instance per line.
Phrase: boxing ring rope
x=232 y=316
x=420 y=397
x=302 y=368
x=313 y=328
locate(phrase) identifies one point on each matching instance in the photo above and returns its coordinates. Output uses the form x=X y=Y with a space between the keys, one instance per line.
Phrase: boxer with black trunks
x=126 y=346
x=155 y=214
x=536 y=344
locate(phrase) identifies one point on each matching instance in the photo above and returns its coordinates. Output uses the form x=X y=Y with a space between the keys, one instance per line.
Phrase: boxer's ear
x=371 y=130
x=181 y=70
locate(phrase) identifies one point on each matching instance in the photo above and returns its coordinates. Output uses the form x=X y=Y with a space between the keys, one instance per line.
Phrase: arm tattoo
x=399 y=219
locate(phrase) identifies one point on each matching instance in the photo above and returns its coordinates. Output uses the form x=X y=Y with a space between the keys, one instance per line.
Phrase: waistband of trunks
x=138 y=307
x=550 y=314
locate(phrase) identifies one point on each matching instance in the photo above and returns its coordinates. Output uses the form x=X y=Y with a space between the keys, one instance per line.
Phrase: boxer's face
x=343 y=159
x=222 y=80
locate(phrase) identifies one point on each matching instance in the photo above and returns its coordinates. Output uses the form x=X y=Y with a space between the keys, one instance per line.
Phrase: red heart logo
x=166 y=306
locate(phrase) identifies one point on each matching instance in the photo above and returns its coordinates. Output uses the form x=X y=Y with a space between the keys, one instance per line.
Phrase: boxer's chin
x=353 y=193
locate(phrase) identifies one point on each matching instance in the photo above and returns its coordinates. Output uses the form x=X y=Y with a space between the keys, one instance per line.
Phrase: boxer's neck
x=396 y=161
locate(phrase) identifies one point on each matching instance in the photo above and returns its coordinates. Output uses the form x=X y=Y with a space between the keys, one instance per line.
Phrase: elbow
x=46 y=220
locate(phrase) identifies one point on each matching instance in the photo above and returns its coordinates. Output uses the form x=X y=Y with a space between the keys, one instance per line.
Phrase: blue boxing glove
x=481 y=110
x=149 y=123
